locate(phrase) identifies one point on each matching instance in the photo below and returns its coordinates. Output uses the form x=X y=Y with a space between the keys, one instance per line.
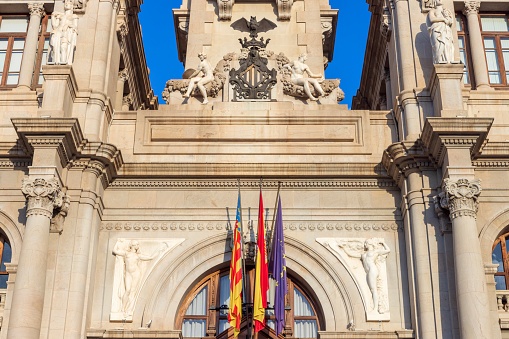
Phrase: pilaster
x=446 y=90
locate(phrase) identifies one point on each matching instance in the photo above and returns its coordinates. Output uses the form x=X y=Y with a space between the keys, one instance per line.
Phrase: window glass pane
x=6 y=256
x=224 y=294
x=13 y=25
x=12 y=78
x=494 y=23
x=496 y=257
x=458 y=24
x=3 y=281
x=223 y=325
x=199 y=304
x=18 y=44
x=500 y=282
x=271 y=323
x=2 y=60
x=3 y=44
x=489 y=43
x=194 y=328
x=49 y=27
x=301 y=307
x=15 y=64
x=306 y=329
x=271 y=294
x=461 y=42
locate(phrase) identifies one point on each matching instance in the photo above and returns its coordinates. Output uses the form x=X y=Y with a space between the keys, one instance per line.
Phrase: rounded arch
x=172 y=279
x=491 y=231
x=14 y=234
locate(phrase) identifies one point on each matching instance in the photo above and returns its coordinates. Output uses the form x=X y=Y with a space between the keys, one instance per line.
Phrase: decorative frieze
x=44 y=196
x=185 y=226
x=460 y=197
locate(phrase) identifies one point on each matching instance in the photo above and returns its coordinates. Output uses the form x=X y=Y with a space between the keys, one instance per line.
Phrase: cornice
x=439 y=133
x=402 y=158
x=227 y=184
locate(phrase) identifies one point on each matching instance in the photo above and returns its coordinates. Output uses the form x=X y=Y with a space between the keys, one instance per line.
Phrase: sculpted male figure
x=132 y=270
x=298 y=68
x=369 y=258
x=197 y=80
x=440 y=30
x=64 y=35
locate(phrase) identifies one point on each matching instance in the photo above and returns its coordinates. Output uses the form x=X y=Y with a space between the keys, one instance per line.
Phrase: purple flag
x=277 y=267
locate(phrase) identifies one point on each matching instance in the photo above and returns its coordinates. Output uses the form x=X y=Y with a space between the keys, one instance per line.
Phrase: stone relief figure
x=440 y=21
x=200 y=81
x=132 y=273
x=298 y=68
x=370 y=254
x=64 y=35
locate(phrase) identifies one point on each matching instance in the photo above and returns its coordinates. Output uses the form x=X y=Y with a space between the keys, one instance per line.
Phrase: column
x=476 y=44
x=44 y=195
x=424 y=291
x=30 y=52
x=123 y=76
x=460 y=198
x=388 y=88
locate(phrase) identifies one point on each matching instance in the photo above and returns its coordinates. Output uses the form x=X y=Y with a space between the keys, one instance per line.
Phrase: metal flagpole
x=273 y=220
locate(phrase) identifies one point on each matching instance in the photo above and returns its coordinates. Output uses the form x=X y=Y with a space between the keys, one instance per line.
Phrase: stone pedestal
x=446 y=90
x=59 y=91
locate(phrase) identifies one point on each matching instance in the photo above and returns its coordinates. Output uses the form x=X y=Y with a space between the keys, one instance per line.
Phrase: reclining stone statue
x=298 y=68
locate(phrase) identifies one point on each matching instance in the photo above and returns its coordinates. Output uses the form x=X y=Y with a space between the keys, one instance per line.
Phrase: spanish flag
x=235 y=310
x=262 y=275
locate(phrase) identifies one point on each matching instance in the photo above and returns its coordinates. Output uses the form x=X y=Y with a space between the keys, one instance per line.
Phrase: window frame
x=501 y=239
x=498 y=47
x=3 y=240
x=466 y=40
x=42 y=36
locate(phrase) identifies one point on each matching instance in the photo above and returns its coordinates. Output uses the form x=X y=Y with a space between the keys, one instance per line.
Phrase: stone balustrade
x=3 y=294
x=502 y=297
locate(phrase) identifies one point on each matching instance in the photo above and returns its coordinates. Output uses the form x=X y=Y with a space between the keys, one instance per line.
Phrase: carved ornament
x=284 y=8
x=37 y=9
x=471 y=7
x=460 y=197
x=225 y=9
x=386 y=23
x=123 y=75
x=44 y=196
x=426 y=5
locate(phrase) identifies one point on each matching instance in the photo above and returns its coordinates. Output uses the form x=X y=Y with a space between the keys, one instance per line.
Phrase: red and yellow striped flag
x=262 y=274
x=235 y=310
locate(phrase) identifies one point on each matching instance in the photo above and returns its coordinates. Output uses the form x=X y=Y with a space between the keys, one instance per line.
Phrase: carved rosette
x=460 y=197
x=37 y=9
x=471 y=7
x=44 y=196
x=284 y=8
x=225 y=9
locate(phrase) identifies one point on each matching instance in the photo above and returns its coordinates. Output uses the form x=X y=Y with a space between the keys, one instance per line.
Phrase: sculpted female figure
x=298 y=68
x=197 y=80
x=440 y=30
x=369 y=258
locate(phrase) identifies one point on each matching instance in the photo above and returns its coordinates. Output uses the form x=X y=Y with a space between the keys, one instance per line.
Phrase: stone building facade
x=116 y=208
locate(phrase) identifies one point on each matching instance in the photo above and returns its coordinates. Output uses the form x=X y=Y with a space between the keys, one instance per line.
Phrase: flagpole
x=273 y=220
x=242 y=249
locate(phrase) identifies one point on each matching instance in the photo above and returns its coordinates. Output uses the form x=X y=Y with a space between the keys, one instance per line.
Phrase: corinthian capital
x=460 y=197
x=44 y=196
x=471 y=7
x=36 y=8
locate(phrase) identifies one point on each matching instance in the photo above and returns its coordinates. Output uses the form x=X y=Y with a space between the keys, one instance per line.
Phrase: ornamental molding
x=14 y=163
x=185 y=184
x=123 y=75
x=44 y=196
x=284 y=9
x=471 y=7
x=214 y=226
x=491 y=163
x=225 y=9
x=386 y=23
x=37 y=9
x=460 y=197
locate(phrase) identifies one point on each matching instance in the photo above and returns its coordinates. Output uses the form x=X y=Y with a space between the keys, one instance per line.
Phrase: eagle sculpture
x=253 y=26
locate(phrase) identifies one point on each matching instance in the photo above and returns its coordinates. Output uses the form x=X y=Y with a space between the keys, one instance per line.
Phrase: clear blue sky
x=161 y=50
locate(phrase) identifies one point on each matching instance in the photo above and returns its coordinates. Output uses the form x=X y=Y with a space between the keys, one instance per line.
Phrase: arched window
x=205 y=309
x=6 y=254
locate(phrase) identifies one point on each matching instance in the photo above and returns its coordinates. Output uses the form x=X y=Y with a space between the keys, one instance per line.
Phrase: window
x=462 y=42
x=499 y=256
x=205 y=310
x=13 y=31
x=495 y=32
x=6 y=254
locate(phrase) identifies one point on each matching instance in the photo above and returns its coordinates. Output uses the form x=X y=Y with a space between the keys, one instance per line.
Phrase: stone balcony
x=503 y=308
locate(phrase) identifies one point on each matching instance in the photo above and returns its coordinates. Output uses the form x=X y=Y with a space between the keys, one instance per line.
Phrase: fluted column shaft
x=476 y=44
x=29 y=288
x=460 y=197
x=30 y=51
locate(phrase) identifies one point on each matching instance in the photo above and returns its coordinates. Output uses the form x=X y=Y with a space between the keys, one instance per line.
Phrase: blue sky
x=161 y=50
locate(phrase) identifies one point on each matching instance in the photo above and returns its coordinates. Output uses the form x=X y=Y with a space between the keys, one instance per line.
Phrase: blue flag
x=277 y=267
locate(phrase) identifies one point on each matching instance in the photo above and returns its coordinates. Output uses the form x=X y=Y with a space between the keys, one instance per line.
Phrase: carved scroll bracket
x=225 y=9
x=284 y=8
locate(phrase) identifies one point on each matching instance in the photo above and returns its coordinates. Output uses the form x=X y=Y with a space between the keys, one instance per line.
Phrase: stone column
x=460 y=198
x=418 y=229
x=388 y=88
x=44 y=195
x=30 y=52
x=123 y=76
x=476 y=44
